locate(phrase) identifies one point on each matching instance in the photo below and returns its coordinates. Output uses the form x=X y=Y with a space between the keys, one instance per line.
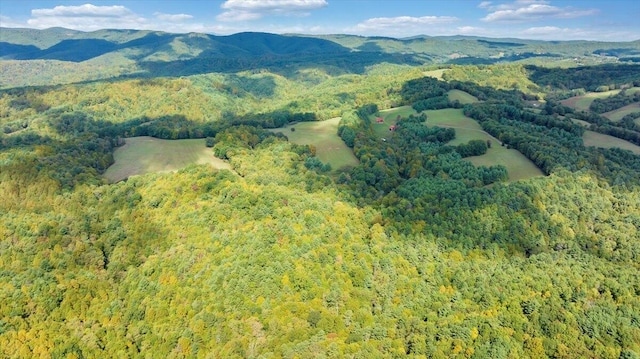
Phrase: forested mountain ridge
x=412 y=252
x=115 y=53
x=242 y=44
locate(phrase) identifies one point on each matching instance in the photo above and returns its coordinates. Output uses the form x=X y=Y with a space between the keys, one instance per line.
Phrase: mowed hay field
x=435 y=73
x=518 y=166
x=583 y=102
x=142 y=155
x=595 y=139
x=618 y=114
x=467 y=129
x=390 y=118
x=462 y=97
x=324 y=136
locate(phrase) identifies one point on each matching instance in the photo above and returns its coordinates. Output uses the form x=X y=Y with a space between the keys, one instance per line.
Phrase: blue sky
x=610 y=20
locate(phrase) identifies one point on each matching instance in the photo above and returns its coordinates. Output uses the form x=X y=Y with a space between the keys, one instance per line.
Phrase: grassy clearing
x=466 y=128
x=617 y=115
x=518 y=166
x=324 y=136
x=436 y=73
x=462 y=97
x=583 y=102
x=581 y=122
x=595 y=139
x=142 y=155
x=390 y=118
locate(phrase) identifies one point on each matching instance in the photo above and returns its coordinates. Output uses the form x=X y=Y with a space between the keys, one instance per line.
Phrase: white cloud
x=471 y=30
x=531 y=10
x=172 y=17
x=485 y=5
x=86 y=17
x=559 y=33
x=6 y=21
x=247 y=10
x=401 y=25
x=86 y=10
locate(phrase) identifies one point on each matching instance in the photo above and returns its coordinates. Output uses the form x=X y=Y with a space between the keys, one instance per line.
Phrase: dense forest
x=413 y=252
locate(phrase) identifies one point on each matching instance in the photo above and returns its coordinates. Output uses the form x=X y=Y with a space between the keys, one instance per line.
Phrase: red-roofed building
x=379 y=120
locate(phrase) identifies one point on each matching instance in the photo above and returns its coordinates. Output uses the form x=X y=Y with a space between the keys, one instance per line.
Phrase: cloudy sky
x=610 y=20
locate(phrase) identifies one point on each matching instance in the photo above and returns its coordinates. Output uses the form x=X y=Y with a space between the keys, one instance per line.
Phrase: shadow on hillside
x=287 y=65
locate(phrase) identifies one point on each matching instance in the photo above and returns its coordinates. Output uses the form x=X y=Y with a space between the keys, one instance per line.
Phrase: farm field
x=390 y=117
x=324 y=136
x=581 y=122
x=583 y=102
x=142 y=155
x=617 y=115
x=466 y=128
x=435 y=73
x=518 y=166
x=462 y=97
x=595 y=139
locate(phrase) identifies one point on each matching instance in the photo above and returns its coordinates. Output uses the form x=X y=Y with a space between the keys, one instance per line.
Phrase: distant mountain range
x=140 y=53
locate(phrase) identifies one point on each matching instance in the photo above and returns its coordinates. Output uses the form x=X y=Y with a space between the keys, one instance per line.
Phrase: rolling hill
x=466 y=213
x=153 y=53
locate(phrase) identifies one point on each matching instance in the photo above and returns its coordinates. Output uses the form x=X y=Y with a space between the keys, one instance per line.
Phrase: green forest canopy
x=410 y=253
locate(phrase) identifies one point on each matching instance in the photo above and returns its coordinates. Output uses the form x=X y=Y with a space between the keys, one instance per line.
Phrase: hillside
x=189 y=207
x=114 y=53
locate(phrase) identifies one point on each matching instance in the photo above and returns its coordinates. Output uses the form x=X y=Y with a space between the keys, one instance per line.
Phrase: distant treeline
x=339 y=62
x=602 y=105
x=590 y=78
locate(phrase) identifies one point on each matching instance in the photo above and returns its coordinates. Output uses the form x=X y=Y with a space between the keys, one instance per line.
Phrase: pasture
x=435 y=73
x=583 y=102
x=462 y=97
x=617 y=115
x=142 y=155
x=324 y=136
x=581 y=122
x=390 y=118
x=518 y=166
x=595 y=139
x=467 y=129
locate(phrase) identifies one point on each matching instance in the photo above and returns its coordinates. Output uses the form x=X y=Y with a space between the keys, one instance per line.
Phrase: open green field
x=595 y=139
x=466 y=128
x=518 y=166
x=618 y=114
x=583 y=102
x=390 y=118
x=581 y=122
x=435 y=73
x=142 y=155
x=324 y=136
x=633 y=90
x=462 y=97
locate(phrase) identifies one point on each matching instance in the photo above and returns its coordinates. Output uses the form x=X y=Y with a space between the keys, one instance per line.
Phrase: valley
x=333 y=196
